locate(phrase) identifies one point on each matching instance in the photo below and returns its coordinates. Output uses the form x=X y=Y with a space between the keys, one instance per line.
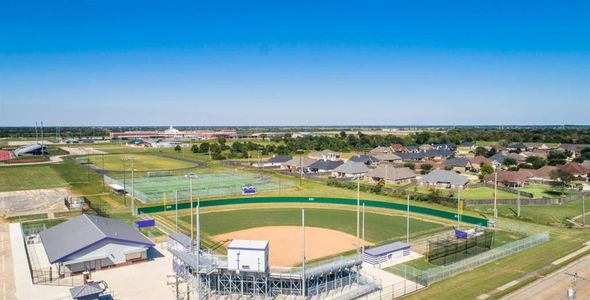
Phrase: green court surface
x=164 y=188
x=142 y=162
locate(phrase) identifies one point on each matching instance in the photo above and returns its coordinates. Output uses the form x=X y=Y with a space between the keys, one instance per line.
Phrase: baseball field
x=329 y=231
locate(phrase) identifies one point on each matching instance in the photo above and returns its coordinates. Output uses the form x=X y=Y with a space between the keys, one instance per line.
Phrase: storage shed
x=380 y=254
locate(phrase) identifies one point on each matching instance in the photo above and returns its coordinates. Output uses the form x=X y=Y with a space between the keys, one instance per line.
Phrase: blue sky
x=298 y=63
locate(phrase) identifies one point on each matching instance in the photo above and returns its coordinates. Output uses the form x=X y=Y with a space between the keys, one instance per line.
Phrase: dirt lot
x=285 y=242
x=32 y=201
x=81 y=150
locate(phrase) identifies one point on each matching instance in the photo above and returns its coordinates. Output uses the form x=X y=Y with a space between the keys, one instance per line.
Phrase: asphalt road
x=555 y=285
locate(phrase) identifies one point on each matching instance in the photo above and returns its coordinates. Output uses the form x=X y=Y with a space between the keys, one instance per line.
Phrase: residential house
x=379 y=150
x=478 y=161
x=537 y=146
x=298 y=163
x=275 y=161
x=458 y=164
x=390 y=174
x=576 y=170
x=519 y=157
x=325 y=154
x=351 y=169
x=425 y=147
x=368 y=160
x=399 y=148
x=324 y=166
x=388 y=157
x=517 y=147
x=510 y=178
x=444 y=179
x=497 y=159
x=543 y=174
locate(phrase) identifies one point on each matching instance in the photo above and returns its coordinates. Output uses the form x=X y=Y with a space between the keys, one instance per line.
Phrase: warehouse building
x=88 y=243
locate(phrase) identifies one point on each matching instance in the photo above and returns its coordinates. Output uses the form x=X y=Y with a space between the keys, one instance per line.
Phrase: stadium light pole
x=190 y=177
x=518 y=205
x=124 y=182
x=103 y=172
x=199 y=249
x=303 y=252
x=176 y=200
x=496 y=193
x=459 y=208
x=408 y=221
x=358 y=210
x=363 y=234
x=300 y=151
x=132 y=186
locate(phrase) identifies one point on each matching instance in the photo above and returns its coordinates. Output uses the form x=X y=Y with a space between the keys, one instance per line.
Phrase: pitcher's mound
x=285 y=242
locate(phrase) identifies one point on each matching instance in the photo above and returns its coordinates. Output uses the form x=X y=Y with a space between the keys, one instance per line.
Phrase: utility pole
x=572 y=290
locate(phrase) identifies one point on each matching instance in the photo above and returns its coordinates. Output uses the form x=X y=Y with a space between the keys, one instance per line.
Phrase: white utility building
x=247 y=256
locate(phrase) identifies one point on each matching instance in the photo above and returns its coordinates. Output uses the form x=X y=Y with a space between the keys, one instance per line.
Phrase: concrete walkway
x=7 y=289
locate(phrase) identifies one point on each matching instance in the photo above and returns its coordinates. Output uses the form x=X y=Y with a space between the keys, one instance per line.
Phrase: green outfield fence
x=321 y=200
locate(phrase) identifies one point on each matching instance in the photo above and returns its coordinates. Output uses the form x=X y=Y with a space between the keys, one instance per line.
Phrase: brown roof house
x=391 y=175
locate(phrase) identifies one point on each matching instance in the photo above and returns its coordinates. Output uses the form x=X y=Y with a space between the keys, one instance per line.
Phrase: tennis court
x=165 y=188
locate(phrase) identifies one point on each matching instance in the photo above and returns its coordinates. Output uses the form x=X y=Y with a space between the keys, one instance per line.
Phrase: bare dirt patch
x=32 y=201
x=285 y=242
x=81 y=150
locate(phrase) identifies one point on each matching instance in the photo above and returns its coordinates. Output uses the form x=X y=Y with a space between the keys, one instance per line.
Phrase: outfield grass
x=378 y=227
x=143 y=162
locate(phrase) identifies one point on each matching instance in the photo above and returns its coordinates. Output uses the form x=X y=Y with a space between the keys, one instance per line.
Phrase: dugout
x=384 y=253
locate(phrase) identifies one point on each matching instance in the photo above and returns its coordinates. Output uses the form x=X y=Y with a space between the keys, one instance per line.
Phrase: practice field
x=379 y=228
x=29 y=177
x=285 y=242
x=143 y=162
x=164 y=188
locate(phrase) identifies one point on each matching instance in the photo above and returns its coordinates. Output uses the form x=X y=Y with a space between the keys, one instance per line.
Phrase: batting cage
x=449 y=249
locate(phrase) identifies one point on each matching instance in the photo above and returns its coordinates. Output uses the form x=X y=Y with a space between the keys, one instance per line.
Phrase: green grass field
x=30 y=177
x=541 y=214
x=469 y=193
x=545 y=191
x=143 y=162
x=379 y=228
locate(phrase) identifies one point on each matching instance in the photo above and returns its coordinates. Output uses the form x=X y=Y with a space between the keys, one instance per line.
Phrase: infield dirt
x=285 y=242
